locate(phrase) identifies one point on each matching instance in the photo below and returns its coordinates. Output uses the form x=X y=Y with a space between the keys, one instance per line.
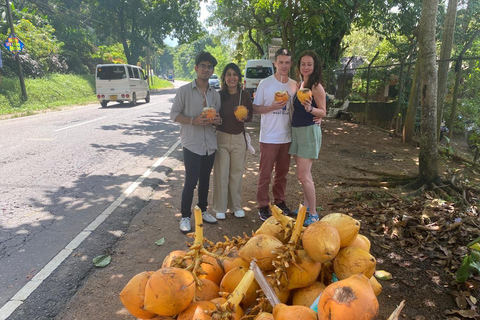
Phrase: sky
x=203 y=16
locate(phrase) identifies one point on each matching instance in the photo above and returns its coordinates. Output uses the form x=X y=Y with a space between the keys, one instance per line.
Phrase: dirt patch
x=352 y=159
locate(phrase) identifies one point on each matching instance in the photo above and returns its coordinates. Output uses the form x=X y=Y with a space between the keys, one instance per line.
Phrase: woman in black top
x=306 y=130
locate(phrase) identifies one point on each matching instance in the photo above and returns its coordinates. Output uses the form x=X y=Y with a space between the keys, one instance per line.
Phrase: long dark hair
x=224 y=90
x=316 y=76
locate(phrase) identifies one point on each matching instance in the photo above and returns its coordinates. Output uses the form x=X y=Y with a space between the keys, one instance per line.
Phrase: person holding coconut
x=196 y=107
x=309 y=107
x=236 y=109
x=272 y=101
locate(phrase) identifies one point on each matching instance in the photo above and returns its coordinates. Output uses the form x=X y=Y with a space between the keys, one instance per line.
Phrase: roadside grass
x=157 y=83
x=52 y=92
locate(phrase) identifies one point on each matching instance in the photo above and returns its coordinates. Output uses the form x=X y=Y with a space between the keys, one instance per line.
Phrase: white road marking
x=78 y=124
x=46 y=271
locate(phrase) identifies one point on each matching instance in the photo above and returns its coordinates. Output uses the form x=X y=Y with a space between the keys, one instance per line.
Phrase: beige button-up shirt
x=190 y=102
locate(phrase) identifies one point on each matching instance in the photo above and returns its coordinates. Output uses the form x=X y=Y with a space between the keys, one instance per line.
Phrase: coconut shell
x=133 y=295
x=169 y=291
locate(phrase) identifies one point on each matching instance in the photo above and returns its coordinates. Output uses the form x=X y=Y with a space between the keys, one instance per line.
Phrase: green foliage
x=471 y=262
x=40 y=42
x=361 y=42
x=223 y=55
x=110 y=54
x=52 y=91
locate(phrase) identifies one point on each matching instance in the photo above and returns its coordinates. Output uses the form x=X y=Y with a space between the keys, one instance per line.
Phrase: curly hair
x=316 y=76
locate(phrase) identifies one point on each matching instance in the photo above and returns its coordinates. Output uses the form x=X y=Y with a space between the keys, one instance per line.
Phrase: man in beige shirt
x=197 y=134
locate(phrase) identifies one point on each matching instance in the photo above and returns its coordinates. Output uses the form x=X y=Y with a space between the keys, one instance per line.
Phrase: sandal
x=310 y=219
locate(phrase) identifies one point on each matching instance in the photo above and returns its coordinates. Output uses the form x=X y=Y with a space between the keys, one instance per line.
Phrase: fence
x=382 y=98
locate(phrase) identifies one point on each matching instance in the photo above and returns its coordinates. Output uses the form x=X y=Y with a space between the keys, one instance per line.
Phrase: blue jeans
x=197 y=169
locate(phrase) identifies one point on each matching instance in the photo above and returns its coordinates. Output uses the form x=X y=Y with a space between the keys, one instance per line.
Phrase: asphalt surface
x=61 y=172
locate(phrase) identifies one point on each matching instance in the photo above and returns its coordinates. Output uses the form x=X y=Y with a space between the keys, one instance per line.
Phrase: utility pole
x=17 y=57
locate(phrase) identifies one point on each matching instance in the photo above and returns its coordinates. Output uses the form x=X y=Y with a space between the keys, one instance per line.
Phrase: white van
x=121 y=82
x=255 y=71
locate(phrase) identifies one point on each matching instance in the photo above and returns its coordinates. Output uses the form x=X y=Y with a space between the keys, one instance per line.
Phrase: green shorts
x=306 y=141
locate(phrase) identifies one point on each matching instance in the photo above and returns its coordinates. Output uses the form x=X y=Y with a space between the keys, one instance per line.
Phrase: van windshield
x=258 y=72
x=111 y=73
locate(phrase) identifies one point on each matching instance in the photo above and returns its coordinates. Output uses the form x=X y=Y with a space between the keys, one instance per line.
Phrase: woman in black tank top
x=306 y=130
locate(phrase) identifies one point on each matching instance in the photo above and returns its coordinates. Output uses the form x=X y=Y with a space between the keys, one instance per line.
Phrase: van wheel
x=103 y=103
x=147 y=98
x=134 y=99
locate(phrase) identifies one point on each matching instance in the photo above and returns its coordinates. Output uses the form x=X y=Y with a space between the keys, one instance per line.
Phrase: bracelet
x=311 y=109
x=191 y=120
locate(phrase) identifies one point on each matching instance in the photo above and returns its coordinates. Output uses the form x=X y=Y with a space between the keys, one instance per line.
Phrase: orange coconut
x=283 y=312
x=231 y=280
x=212 y=269
x=348 y=299
x=241 y=113
x=304 y=272
x=304 y=94
x=264 y=316
x=234 y=260
x=173 y=257
x=200 y=310
x=353 y=260
x=209 y=113
x=321 y=241
x=274 y=228
x=261 y=248
x=346 y=226
x=307 y=295
x=282 y=95
x=376 y=286
x=208 y=290
x=133 y=295
x=169 y=291
x=361 y=242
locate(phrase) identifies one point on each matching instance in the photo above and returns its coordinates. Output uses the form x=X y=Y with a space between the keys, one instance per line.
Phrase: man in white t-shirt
x=275 y=133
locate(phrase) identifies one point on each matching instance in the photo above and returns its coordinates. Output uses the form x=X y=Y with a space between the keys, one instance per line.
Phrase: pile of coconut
x=283 y=271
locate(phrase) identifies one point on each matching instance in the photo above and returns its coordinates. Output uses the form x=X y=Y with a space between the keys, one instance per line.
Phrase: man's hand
x=201 y=120
x=278 y=105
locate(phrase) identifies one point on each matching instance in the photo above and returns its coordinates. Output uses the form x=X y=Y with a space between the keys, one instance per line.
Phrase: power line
x=66 y=16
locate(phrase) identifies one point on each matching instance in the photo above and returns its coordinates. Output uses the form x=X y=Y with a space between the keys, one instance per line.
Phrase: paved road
x=60 y=172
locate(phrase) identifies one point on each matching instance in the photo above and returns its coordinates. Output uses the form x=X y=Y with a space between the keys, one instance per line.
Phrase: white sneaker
x=208 y=218
x=239 y=213
x=185 y=225
x=220 y=215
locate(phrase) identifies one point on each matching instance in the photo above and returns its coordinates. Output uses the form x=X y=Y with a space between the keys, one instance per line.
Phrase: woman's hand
x=307 y=104
x=217 y=120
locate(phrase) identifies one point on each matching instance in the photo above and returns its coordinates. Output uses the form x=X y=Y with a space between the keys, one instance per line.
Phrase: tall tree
x=319 y=25
x=428 y=167
x=145 y=23
x=445 y=54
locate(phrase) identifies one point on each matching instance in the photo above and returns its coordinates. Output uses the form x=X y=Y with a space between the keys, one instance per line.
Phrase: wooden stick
x=396 y=312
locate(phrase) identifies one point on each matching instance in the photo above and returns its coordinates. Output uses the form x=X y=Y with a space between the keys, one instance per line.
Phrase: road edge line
x=17 y=300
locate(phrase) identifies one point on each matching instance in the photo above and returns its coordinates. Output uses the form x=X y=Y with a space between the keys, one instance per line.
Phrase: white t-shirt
x=275 y=126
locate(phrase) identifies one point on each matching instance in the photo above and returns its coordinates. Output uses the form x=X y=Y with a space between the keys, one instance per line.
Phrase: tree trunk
x=413 y=100
x=257 y=45
x=428 y=168
x=445 y=53
x=123 y=33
